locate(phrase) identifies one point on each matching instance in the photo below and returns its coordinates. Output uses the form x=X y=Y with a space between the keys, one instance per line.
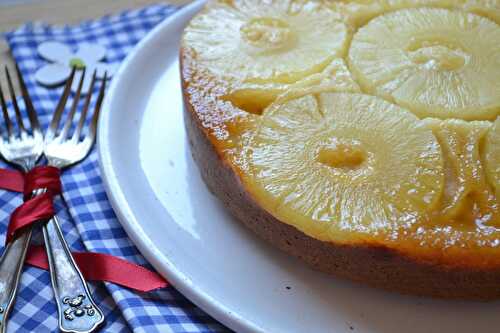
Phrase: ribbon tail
x=103 y=267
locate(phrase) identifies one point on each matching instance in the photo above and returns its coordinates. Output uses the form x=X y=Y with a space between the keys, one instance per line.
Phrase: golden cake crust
x=207 y=120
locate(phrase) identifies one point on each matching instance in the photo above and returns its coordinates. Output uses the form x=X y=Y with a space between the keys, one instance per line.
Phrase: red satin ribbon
x=38 y=208
x=94 y=266
x=104 y=267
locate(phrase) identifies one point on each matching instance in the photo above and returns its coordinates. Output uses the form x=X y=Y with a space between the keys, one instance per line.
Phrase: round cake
x=362 y=137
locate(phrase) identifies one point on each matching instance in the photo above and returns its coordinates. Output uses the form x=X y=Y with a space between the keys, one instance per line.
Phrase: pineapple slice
x=465 y=182
x=486 y=8
x=492 y=157
x=358 y=12
x=435 y=62
x=266 y=41
x=342 y=161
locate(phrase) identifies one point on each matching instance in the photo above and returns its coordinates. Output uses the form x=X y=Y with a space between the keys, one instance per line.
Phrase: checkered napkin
x=90 y=223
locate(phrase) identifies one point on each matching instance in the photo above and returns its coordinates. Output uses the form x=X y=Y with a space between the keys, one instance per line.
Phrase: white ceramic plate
x=156 y=190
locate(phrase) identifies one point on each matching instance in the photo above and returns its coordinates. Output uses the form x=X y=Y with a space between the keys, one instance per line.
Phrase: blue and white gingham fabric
x=90 y=223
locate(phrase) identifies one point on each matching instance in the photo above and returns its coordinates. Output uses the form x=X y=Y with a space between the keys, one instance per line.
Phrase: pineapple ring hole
x=437 y=54
x=266 y=33
x=342 y=155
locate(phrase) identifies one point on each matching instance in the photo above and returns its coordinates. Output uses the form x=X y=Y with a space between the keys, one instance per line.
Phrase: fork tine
x=97 y=109
x=8 y=123
x=76 y=99
x=51 y=131
x=35 y=125
x=19 y=118
x=83 y=114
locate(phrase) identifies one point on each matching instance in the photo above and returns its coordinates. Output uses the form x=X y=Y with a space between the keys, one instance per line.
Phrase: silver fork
x=21 y=149
x=77 y=310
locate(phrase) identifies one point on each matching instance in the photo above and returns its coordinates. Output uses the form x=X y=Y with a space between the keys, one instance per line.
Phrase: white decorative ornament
x=61 y=60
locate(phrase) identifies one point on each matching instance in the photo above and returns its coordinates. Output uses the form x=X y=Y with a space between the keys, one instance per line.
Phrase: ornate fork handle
x=78 y=312
x=11 y=267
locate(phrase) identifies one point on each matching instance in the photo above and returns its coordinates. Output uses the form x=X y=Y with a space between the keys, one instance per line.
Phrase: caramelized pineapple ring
x=486 y=8
x=278 y=41
x=341 y=162
x=359 y=12
x=435 y=62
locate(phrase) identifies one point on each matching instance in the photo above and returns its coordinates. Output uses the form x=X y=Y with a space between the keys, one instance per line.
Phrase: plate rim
x=124 y=212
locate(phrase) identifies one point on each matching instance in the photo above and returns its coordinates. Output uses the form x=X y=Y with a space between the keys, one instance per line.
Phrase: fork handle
x=78 y=312
x=11 y=267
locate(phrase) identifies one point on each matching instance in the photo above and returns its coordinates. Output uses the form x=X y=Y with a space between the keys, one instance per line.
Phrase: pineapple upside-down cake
x=360 y=136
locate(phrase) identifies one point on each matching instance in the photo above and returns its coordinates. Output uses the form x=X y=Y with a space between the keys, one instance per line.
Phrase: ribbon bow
x=94 y=266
